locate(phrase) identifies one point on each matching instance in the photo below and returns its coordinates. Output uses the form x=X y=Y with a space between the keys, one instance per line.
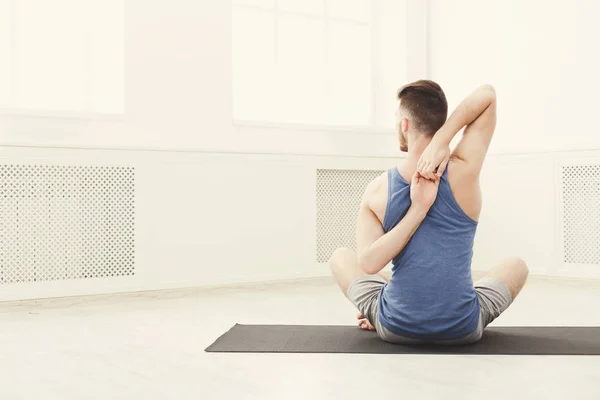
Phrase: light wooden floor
x=150 y=346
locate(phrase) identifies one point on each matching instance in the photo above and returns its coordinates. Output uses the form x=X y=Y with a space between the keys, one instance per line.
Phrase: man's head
x=423 y=110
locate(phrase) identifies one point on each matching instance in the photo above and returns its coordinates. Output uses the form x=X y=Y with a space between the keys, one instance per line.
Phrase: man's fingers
x=442 y=167
x=429 y=168
x=425 y=168
x=415 y=178
x=430 y=171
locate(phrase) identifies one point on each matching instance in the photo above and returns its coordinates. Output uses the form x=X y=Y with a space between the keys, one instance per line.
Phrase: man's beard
x=403 y=144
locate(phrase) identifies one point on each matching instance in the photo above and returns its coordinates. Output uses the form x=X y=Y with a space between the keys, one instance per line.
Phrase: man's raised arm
x=478 y=113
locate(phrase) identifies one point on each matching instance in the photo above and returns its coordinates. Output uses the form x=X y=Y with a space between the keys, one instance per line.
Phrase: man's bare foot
x=364 y=323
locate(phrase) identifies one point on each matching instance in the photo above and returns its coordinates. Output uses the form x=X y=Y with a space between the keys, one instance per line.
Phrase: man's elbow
x=489 y=87
x=367 y=266
x=489 y=92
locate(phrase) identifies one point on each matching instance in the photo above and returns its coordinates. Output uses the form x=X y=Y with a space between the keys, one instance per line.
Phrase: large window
x=318 y=62
x=62 y=56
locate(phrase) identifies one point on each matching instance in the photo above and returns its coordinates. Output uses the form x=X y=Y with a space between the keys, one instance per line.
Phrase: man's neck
x=416 y=146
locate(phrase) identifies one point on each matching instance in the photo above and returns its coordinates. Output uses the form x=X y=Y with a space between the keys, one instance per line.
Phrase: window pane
x=5 y=56
x=50 y=52
x=349 y=74
x=253 y=47
x=313 y=7
x=297 y=69
x=301 y=69
x=255 y=3
x=356 y=10
x=106 y=56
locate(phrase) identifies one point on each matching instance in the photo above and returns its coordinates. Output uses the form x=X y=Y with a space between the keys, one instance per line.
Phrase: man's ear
x=404 y=125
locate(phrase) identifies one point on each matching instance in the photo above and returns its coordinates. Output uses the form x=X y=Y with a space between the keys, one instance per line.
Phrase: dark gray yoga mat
x=351 y=339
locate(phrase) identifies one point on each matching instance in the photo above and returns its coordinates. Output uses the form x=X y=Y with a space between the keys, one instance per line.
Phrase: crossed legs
x=512 y=273
x=346 y=270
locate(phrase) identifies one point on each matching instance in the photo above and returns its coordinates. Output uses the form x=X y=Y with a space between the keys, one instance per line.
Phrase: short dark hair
x=426 y=102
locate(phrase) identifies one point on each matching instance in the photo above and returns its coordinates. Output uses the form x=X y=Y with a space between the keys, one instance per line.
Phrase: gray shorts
x=494 y=299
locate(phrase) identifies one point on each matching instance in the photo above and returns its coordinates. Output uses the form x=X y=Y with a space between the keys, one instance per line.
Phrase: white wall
x=539 y=55
x=178 y=94
x=204 y=219
x=210 y=213
x=178 y=80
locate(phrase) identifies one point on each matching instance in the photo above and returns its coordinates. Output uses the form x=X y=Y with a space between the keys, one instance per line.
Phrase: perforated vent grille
x=581 y=214
x=338 y=197
x=65 y=222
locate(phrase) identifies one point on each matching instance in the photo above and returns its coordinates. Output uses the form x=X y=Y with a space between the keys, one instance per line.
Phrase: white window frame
x=10 y=111
x=417 y=66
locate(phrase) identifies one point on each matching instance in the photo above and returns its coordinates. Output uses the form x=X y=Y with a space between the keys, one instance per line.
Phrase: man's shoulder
x=375 y=197
x=377 y=184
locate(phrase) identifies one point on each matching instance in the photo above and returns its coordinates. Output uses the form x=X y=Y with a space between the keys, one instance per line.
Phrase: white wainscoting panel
x=206 y=219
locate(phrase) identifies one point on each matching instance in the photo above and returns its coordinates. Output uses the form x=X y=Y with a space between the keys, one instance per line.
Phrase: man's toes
x=366 y=325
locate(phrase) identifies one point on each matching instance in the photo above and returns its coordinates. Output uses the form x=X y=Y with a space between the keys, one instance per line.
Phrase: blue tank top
x=430 y=294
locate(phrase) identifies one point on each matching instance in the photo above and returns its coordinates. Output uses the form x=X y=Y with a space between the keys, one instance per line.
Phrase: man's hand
x=436 y=155
x=423 y=192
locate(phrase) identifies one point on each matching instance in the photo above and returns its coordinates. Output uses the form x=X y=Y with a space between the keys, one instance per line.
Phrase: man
x=422 y=216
